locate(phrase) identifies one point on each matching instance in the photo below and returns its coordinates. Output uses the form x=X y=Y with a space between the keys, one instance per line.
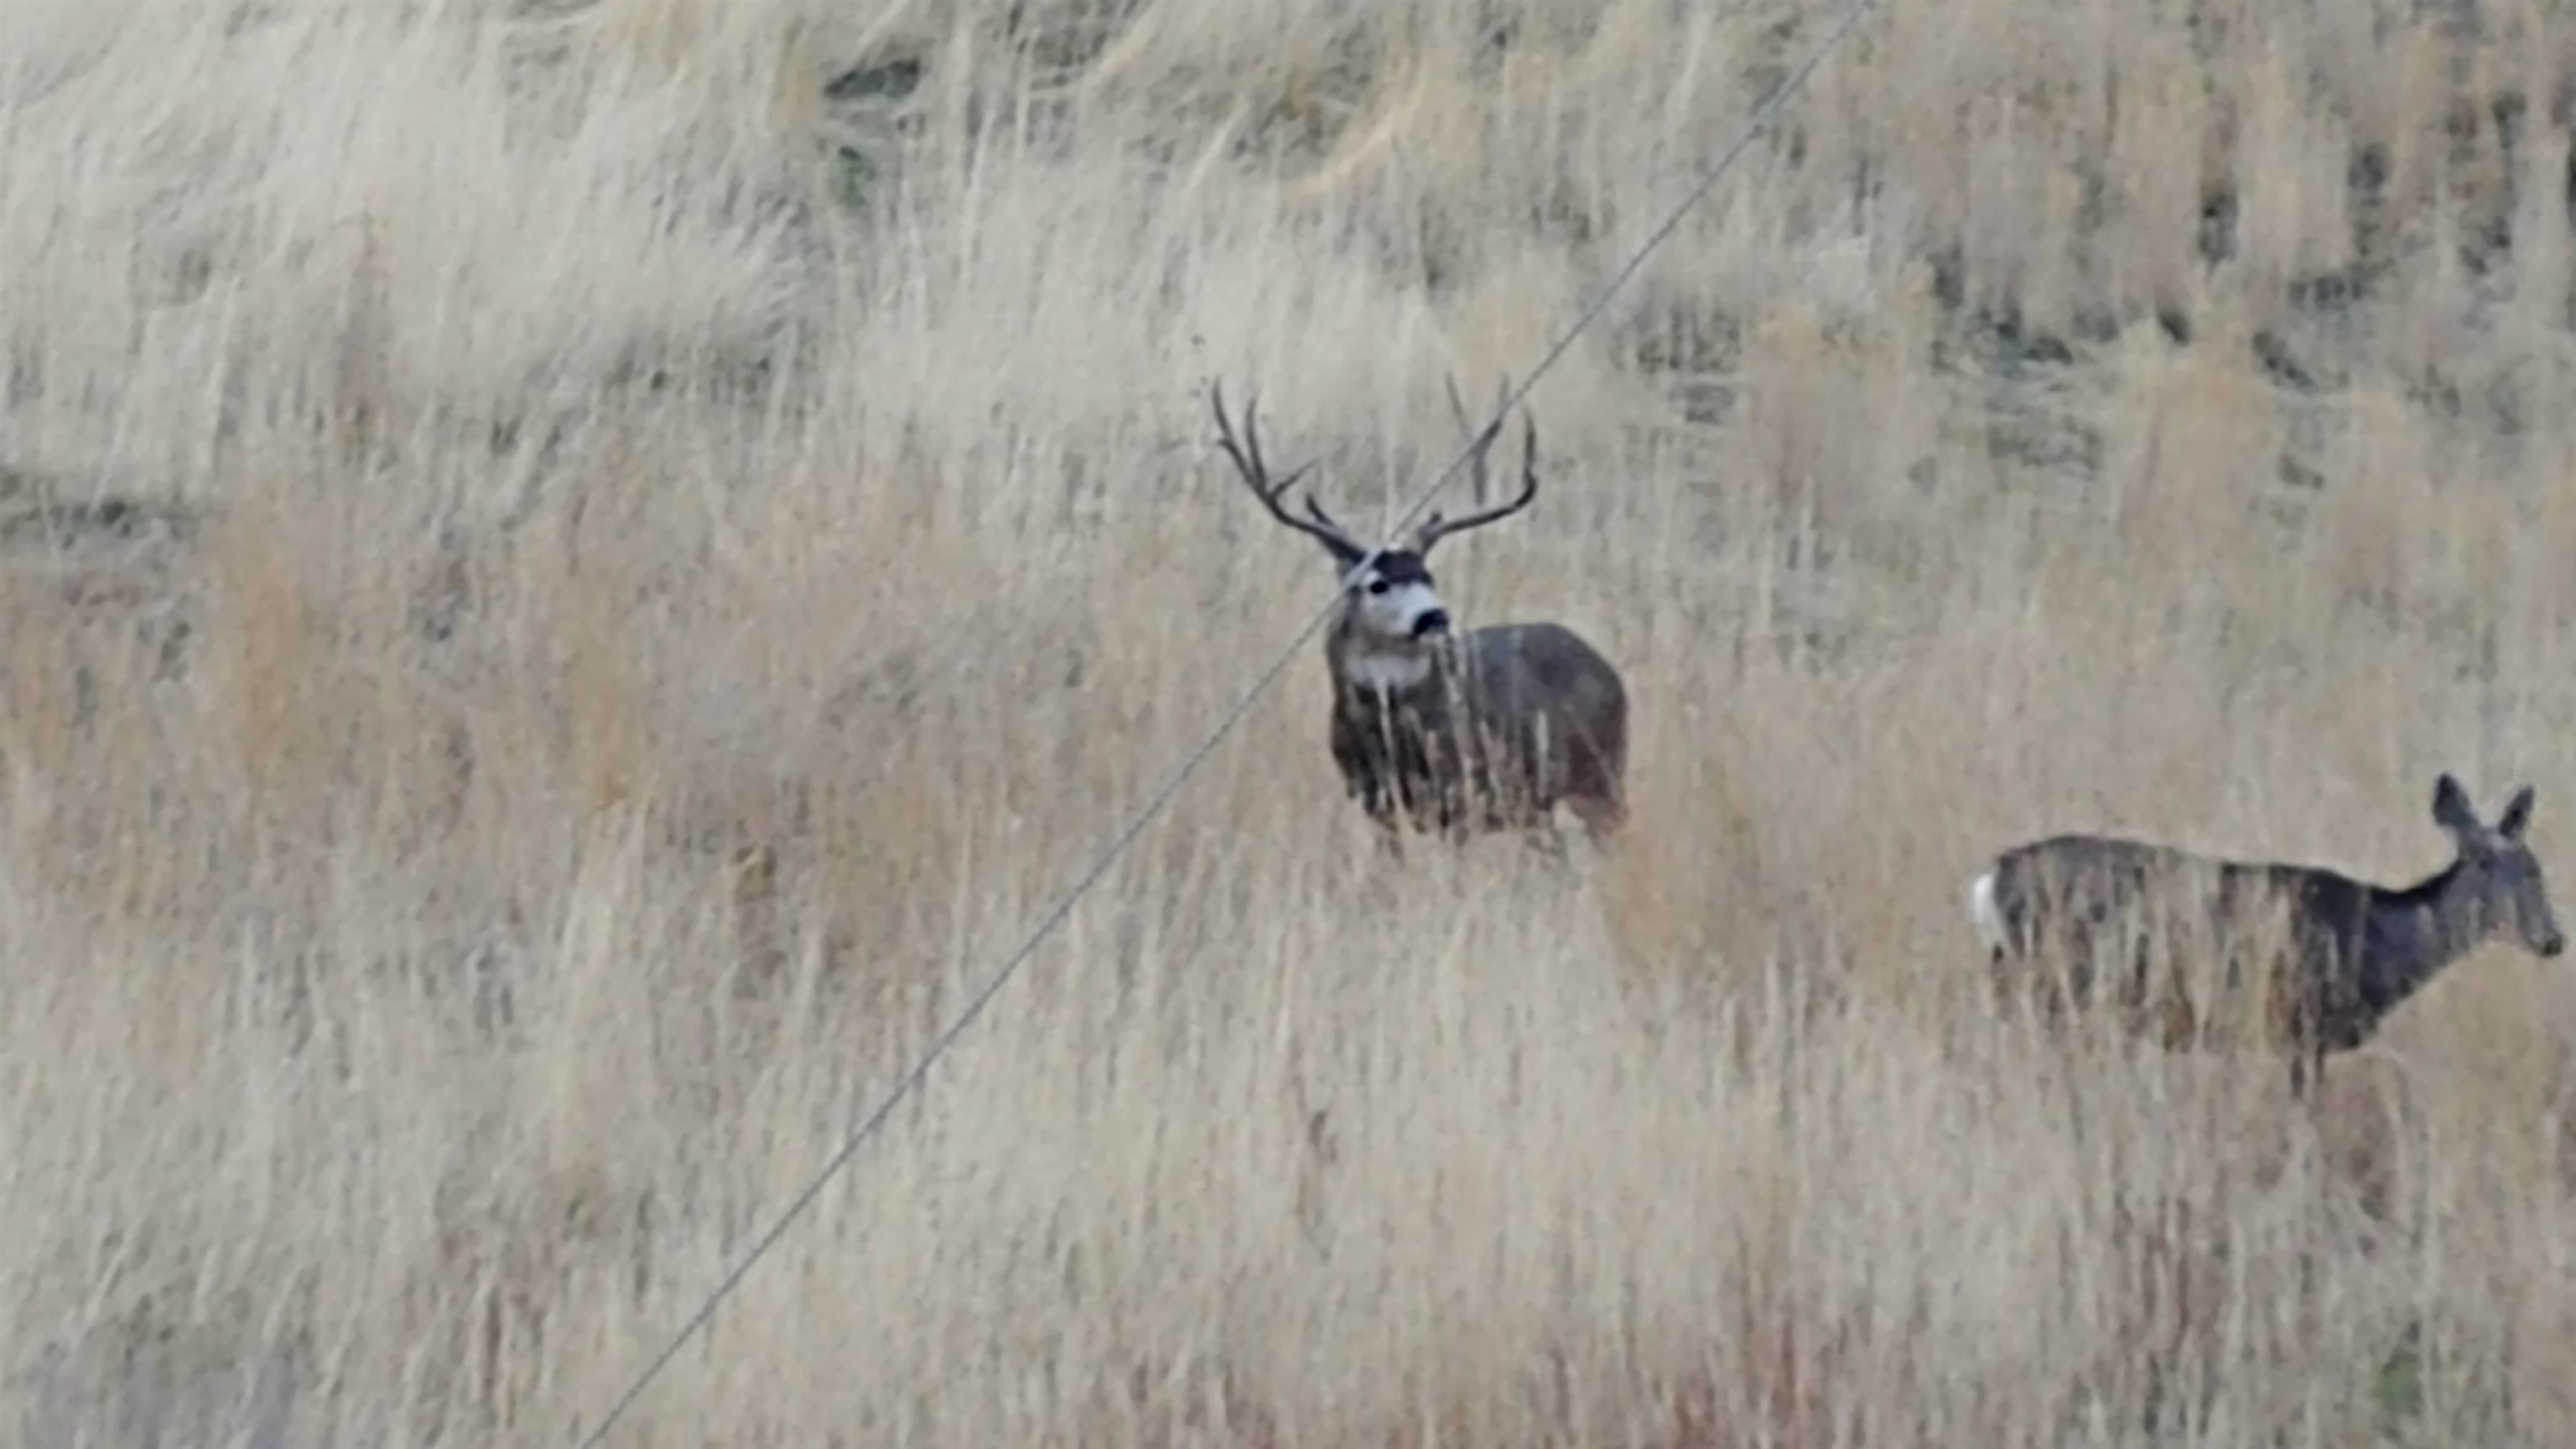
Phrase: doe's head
x=2512 y=895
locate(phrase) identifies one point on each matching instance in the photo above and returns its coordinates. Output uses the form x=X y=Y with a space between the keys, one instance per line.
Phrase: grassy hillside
x=576 y=572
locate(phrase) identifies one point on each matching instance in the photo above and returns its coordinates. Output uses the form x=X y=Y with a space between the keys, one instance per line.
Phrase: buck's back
x=1521 y=668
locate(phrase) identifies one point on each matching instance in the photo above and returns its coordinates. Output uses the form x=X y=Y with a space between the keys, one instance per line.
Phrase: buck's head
x=1395 y=601
x=2508 y=894
x=1394 y=605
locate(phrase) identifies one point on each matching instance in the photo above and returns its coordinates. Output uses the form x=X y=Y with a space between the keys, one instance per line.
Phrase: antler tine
x=1246 y=453
x=1480 y=443
x=1255 y=473
x=1329 y=521
x=1479 y=446
x=1438 y=527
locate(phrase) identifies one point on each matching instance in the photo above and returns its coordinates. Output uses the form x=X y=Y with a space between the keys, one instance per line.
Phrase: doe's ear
x=2517 y=815
x=2451 y=808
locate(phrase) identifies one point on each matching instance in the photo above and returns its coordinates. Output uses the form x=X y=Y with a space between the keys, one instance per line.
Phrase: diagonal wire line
x=1125 y=836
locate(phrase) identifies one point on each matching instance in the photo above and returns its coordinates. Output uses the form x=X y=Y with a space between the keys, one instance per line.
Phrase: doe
x=2345 y=953
x=1437 y=729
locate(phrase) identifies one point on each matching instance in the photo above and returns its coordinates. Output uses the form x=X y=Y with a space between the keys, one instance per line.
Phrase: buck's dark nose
x=2553 y=945
x=1430 y=622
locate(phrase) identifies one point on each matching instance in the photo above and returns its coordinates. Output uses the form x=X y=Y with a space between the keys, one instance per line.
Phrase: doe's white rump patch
x=1983 y=913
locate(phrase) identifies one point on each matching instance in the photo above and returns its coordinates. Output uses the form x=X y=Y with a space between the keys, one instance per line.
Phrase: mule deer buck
x=2333 y=955
x=1436 y=729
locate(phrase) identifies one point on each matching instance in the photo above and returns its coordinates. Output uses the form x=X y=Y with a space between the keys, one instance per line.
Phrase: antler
x=1437 y=527
x=1256 y=476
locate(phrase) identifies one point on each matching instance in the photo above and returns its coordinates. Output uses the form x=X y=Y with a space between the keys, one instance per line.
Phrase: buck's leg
x=1602 y=815
x=2307 y=1072
x=1390 y=838
x=1384 y=812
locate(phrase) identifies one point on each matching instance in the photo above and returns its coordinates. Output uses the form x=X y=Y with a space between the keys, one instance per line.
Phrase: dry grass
x=549 y=448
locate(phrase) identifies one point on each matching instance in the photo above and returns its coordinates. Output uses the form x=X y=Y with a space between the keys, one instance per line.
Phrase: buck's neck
x=1373 y=670
x=2415 y=932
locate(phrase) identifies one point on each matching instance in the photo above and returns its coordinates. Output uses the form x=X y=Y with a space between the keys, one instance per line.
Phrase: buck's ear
x=2517 y=815
x=2451 y=808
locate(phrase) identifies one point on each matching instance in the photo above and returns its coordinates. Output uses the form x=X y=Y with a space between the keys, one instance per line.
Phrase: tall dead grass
x=575 y=572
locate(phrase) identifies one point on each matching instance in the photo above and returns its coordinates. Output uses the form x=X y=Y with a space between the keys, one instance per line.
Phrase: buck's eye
x=1378 y=586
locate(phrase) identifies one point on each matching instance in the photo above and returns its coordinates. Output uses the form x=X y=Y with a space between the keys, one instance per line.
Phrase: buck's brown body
x=1504 y=724
x=1455 y=732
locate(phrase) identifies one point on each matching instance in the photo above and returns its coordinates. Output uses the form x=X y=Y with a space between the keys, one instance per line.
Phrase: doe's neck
x=2426 y=926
